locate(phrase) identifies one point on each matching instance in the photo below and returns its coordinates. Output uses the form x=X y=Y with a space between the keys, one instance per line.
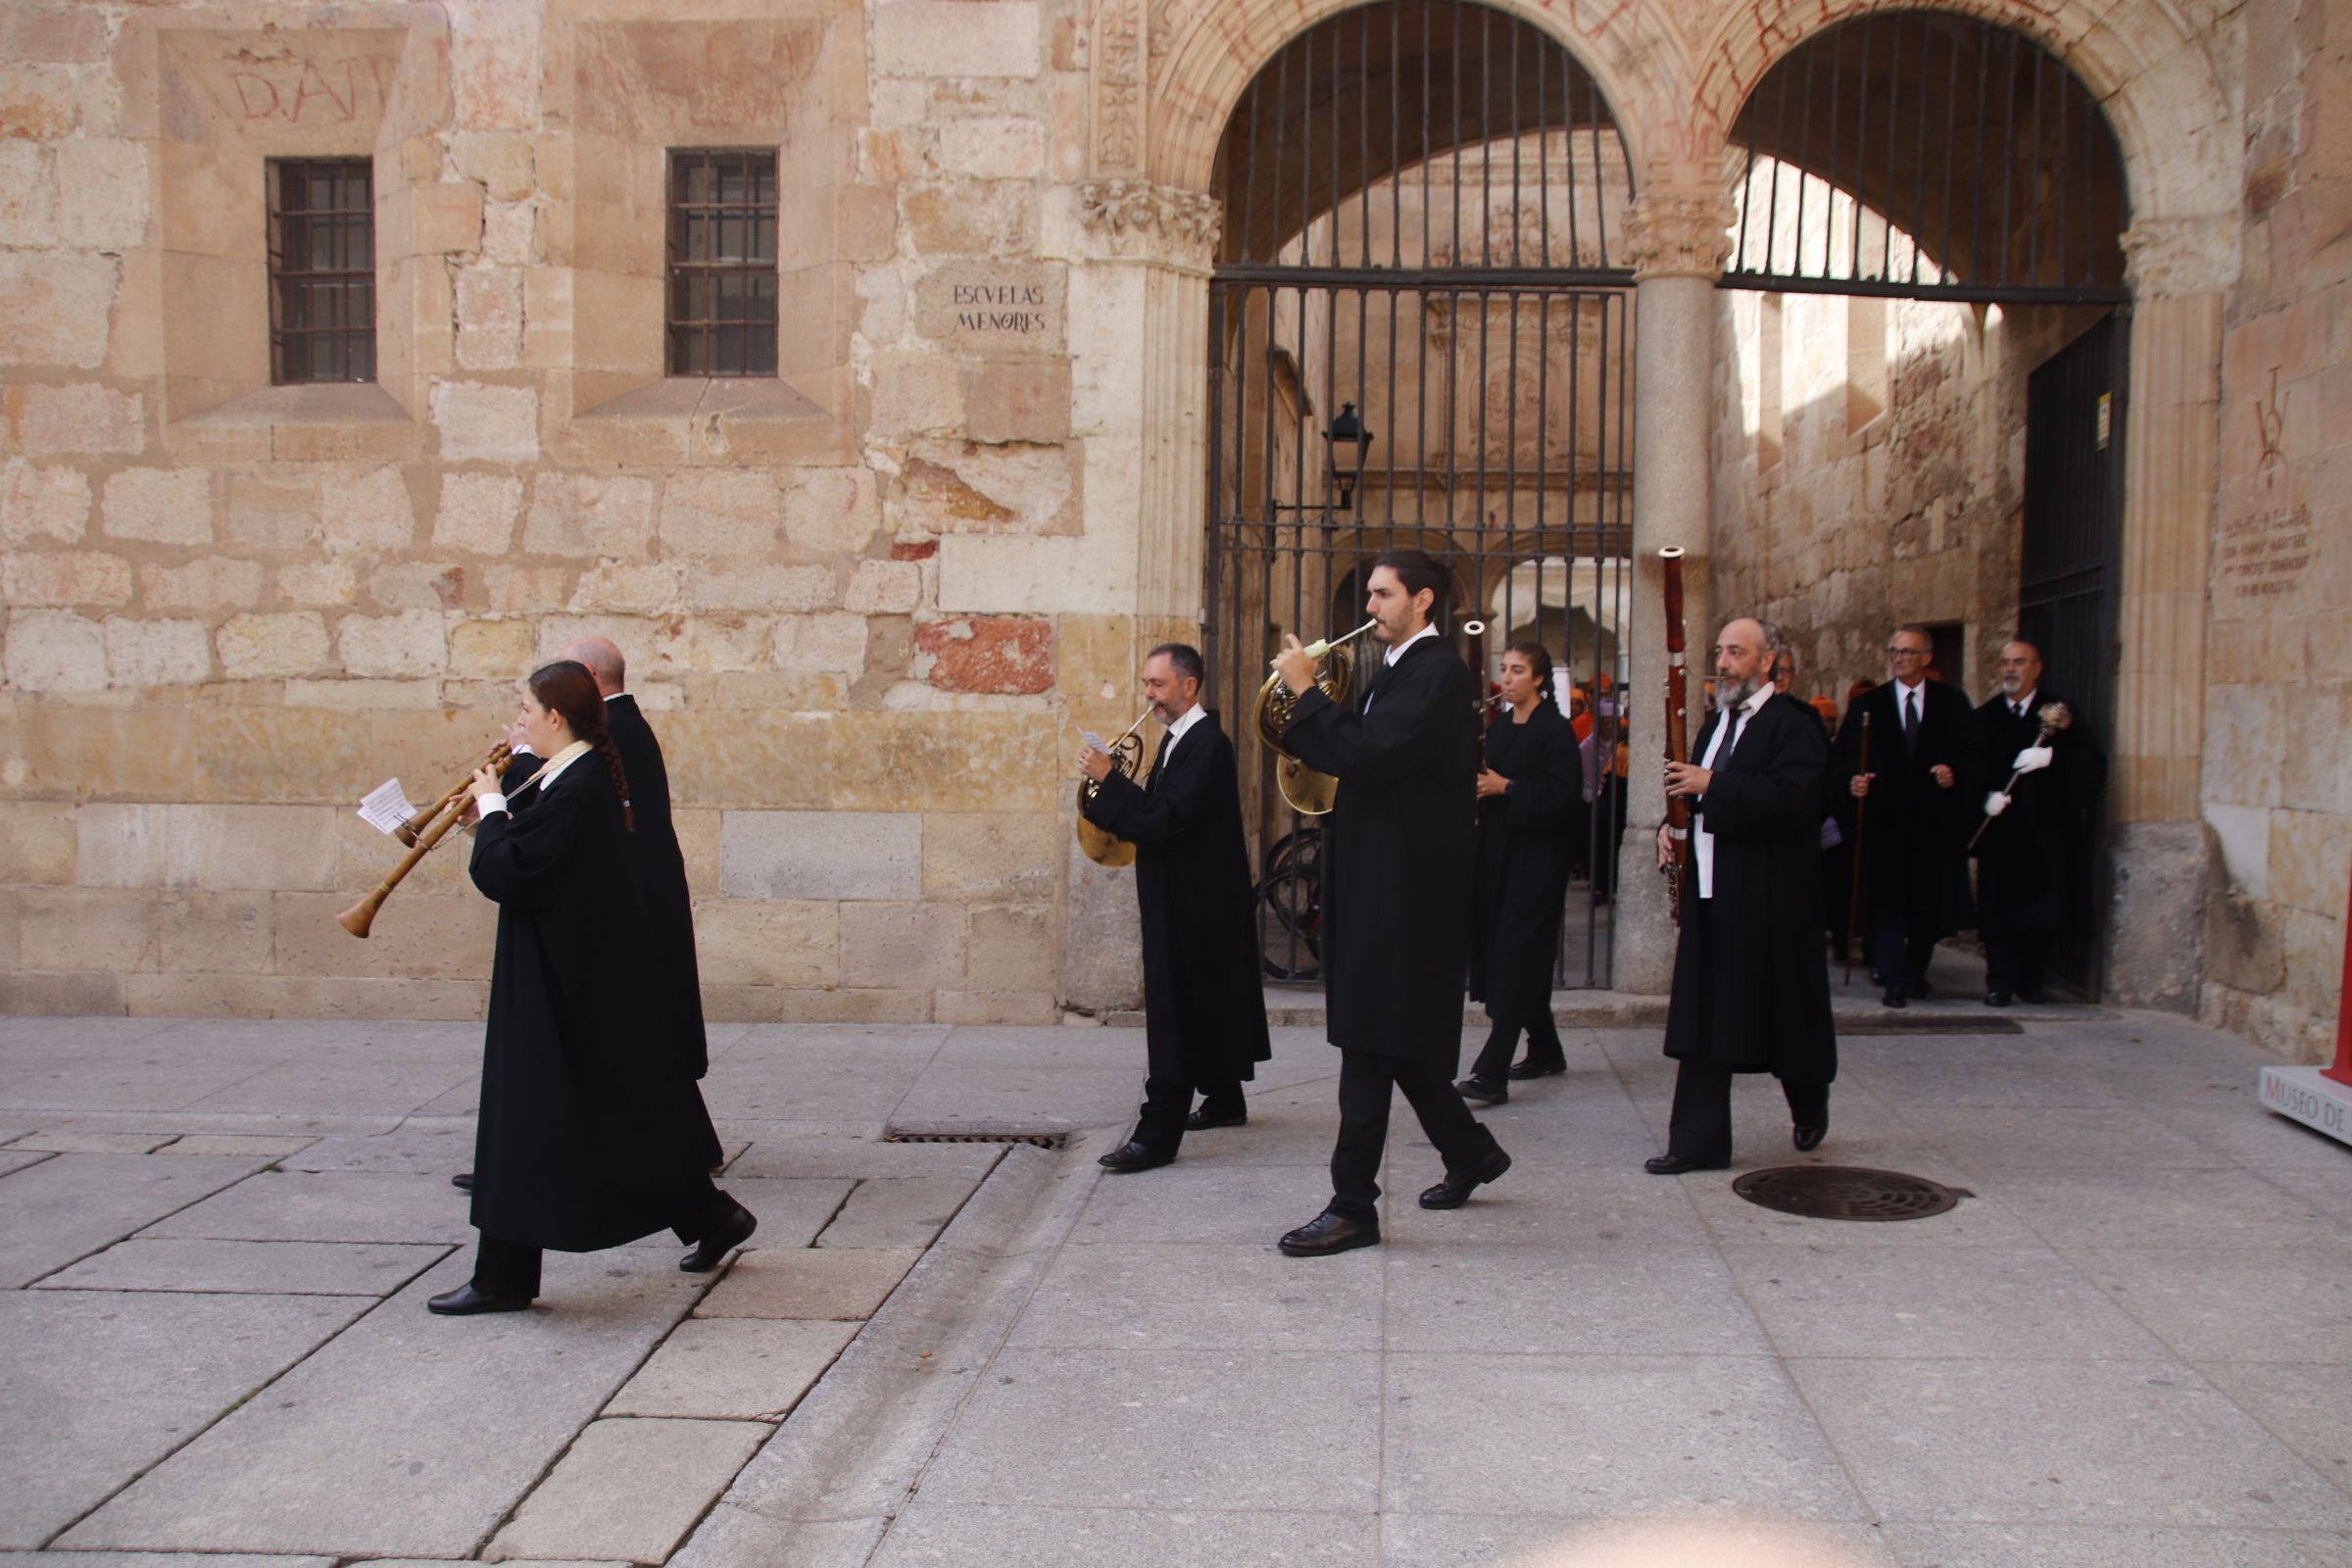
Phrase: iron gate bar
x=1430 y=278
x=1957 y=293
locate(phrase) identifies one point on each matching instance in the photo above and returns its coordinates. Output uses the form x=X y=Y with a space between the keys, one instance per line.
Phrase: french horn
x=1310 y=793
x=1101 y=845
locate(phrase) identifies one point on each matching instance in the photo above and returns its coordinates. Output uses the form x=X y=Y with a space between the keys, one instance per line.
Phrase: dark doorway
x=2069 y=576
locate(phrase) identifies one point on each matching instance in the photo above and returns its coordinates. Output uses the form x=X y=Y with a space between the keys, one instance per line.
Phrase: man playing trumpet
x=1397 y=871
x=1204 y=1005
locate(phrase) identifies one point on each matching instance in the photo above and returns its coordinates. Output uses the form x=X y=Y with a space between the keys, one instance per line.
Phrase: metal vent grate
x=1847 y=1192
x=1033 y=1139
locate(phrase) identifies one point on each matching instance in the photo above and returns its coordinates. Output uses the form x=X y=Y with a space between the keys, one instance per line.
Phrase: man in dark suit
x=1750 y=993
x=2031 y=876
x=1397 y=871
x=1913 y=833
x=1204 y=999
x=670 y=965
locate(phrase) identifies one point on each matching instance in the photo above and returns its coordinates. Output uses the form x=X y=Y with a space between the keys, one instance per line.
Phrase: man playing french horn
x=1396 y=869
x=1204 y=1005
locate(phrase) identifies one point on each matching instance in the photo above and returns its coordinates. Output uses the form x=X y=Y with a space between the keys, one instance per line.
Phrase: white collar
x=609 y=696
x=1757 y=699
x=1911 y=690
x=1192 y=715
x=2022 y=704
x=559 y=762
x=1397 y=652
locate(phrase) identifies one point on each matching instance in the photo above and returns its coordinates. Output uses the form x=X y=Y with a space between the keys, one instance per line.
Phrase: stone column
x=2181 y=269
x=1678 y=240
x=1141 y=253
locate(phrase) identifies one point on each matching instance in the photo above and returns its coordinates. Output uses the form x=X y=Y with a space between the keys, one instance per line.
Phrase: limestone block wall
x=2277 y=795
x=1869 y=469
x=869 y=601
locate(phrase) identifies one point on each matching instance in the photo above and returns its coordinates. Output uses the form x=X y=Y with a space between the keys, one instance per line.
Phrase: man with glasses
x=1913 y=827
x=2031 y=859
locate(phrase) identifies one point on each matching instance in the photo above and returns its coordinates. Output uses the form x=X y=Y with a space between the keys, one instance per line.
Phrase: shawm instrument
x=1678 y=734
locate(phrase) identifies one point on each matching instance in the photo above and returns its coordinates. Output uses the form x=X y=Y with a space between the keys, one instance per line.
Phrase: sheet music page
x=386 y=807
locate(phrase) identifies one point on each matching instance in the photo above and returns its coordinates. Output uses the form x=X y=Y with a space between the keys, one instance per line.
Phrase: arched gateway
x=1420 y=328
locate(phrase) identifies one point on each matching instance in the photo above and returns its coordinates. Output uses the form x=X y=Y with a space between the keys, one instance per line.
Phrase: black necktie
x=1911 y=720
x=1731 y=735
x=1159 y=759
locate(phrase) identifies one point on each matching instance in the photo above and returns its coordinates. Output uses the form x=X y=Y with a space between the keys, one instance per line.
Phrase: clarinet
x=1677 y=738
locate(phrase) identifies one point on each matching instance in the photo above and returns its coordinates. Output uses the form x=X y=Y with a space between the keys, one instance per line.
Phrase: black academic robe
x=1913 y=832
x=1205 y=1000
x=2034 y=859
x=1528 y=837
x=586 y=1138
x=1750 y=993
x=1397 y=853
x=661 y=873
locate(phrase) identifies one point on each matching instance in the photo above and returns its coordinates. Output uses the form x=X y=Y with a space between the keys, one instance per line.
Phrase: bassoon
x=1678 y=735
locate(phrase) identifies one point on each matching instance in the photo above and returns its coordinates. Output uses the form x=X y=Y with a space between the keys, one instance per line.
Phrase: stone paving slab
x=2025 y=1303
x=250 y=1268
x=1180 y=1295
x=327 y=1206
x=1484 y=1540
x=71 y=1205
x=2233 y=1304
x=94 y=1388
x=259 y=1146
x=896 y=1212
x=1121 y=1429
x=1607 y=1436
x=2308 y=1407
x=67 y=1141
x=628 y=1489
x=15 y=1161
x=2143 y=1443
x=792 y=1210
x=1615 y=1298
x=409 y=1435
x=843 y=1284
x=939 y=1535
x=751 y=1370
x=157 y=1559
x=441 y=1152
x=2062 y=1546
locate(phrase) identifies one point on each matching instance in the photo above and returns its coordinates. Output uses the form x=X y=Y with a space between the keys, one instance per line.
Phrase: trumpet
x=1101 y=845
x=1310 y=793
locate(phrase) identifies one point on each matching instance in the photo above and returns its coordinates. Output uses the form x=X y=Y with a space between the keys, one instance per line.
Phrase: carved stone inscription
x=2264 y=553
x=993 y=307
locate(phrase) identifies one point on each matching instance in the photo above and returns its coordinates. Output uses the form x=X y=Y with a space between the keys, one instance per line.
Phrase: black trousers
x=2014 y=960
x=1167 y=1101
x=1543 y=1045
x=1367 y=1080
x=510 y=1268
x=1901 y=944
x=1699 y=1127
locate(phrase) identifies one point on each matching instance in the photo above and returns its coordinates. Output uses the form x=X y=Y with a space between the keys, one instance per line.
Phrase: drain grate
x=1033 y=1139
x=1847 y=1192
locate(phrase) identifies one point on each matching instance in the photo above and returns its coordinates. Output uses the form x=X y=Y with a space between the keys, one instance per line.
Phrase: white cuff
x=492 y=802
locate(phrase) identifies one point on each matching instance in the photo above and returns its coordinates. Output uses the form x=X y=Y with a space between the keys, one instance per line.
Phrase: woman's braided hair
x=567 y=688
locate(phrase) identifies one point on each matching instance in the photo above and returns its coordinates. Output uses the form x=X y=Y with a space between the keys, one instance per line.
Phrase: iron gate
x=1417 y=337
x=2070 y=572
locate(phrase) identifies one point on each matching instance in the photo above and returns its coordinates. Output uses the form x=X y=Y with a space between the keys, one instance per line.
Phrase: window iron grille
x=722 y=263
x=322 y=270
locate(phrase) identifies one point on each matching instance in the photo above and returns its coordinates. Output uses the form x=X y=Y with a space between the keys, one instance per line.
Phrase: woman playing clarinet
x=587 y=1136
x=1530 y=800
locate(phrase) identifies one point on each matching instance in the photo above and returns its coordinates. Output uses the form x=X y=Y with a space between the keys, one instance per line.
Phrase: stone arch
x=1626 y=46
x=2159 y=91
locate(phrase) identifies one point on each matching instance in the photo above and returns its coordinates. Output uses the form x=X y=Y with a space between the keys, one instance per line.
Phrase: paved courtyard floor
x=2131 y=1344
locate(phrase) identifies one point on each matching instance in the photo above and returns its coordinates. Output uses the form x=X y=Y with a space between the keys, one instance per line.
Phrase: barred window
x=322 y=270
x=722 y=263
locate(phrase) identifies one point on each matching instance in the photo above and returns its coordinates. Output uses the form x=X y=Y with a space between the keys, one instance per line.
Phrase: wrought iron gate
x=2070 y=573
x=1417 y=337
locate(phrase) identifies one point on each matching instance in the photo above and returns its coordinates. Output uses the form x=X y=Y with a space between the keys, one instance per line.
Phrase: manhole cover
x=1847 y=1192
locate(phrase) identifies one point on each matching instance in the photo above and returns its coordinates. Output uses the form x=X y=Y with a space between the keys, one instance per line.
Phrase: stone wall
x=857 y=598
x=2278 y=798
x=1870 y=470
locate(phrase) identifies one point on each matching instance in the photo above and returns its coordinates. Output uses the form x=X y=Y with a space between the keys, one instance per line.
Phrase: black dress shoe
x=1455 y=1191
x=1479 y=1092
x=720 y=1240
x=1330 y=1232
x=462 y=1181
x=1894 y=998
x=1204 y=1118
x=1996 y=998
x=1676 y=1164
x=1528 y=1068
x=465 y=1301
x=1808 y=1135
x=1133 y=1156
x=1878 y=976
